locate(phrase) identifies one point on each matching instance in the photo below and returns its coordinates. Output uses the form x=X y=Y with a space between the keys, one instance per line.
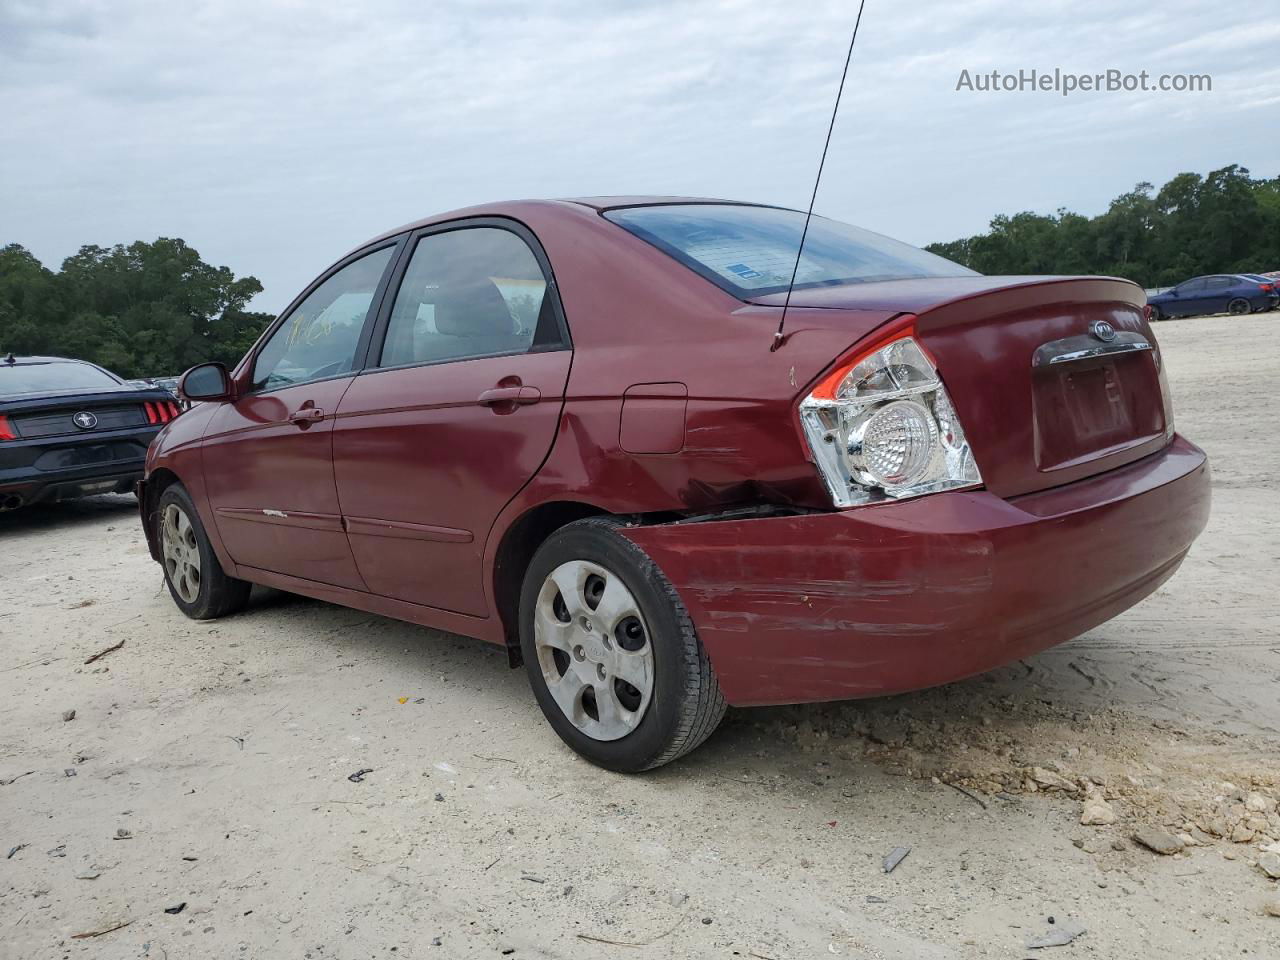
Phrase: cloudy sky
x=274 y=135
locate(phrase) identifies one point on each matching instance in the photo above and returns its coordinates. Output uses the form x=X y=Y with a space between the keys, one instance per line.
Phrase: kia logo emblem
x=85 y=420
x=1103 y=331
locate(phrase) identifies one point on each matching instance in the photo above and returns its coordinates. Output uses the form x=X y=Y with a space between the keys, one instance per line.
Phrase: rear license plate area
x=1090 y=409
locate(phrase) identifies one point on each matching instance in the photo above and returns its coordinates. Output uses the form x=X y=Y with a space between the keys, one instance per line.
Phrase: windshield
x=54 y=377
x=751 y=251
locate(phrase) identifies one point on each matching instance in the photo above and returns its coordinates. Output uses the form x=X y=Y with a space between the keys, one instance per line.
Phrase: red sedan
x=559 y=426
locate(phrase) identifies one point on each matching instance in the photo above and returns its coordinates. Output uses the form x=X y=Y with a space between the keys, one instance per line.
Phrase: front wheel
x=1239 y=307
x=1156 y=315
x=196 y=580
x=612 y=655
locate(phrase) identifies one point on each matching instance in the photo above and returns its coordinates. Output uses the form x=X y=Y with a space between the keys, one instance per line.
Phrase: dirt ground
x=208 y=764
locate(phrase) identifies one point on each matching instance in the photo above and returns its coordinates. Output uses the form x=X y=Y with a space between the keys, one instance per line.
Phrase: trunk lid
x=53 y=416
x=1054 y=379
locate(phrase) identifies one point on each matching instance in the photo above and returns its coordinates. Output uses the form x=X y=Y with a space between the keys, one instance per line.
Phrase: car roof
x=24 y=361
x=570 y=206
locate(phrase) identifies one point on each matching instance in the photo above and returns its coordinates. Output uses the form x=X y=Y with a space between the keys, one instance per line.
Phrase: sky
x=275 y=135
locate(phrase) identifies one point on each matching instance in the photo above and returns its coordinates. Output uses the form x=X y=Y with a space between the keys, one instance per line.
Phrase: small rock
x=1158 y=841
x=1257 y=803
x=677 y=897
x=1241 y=834
x=1060 y=936
x=68 y=715
x=706 y=921
x=284 y=917
x=1048 y=780
x=123 y=833
x=69 y=771
x=1272 y=908
x=1269 y=863
x=435 y=941
x=440 y=797
x=1097 y=812
x=887 y=732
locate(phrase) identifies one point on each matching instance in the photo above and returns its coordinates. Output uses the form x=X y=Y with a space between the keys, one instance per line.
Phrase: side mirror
x=206 y=381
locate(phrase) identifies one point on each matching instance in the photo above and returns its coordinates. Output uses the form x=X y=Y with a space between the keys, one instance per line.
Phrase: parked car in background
x=1232 y=293
x=69 y=429
x=559 y=426
x=163 y=383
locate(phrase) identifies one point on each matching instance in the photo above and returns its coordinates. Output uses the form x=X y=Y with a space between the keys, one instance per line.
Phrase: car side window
x=1191 y=286
x=471 y=292
x=320 y=336
x=1220 y=283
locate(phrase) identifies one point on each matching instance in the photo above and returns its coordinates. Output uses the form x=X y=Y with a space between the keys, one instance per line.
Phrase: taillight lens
x=6 y=431
x=1267 y=286
x=883 y=427
x=160 y=411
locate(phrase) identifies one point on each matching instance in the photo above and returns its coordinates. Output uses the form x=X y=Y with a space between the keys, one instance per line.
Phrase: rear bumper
x=895 y=597
x=62 y=467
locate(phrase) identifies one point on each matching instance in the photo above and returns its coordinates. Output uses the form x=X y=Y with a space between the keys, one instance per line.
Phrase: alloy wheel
x=594 y=649
x=181 y=552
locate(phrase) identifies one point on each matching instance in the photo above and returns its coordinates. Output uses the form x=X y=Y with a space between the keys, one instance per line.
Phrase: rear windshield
x=750 y=251
x=27 y=378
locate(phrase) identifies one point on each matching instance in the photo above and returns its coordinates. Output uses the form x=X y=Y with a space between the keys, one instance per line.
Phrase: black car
x=71 y=429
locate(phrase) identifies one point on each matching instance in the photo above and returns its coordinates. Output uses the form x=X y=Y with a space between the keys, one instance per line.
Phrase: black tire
x=217 y=594
x=686 y=704
x=1156 y=315
x=1239 y=307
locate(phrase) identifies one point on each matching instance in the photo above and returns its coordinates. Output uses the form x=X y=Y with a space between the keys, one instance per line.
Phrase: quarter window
x=472 y=292
x=320 y=336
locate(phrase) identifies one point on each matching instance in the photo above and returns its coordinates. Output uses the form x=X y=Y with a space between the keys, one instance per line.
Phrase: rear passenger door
x=1217 y=293
x=455 y=412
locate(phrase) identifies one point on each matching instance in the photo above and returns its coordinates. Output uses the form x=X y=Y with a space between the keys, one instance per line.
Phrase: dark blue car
x=1221 y=293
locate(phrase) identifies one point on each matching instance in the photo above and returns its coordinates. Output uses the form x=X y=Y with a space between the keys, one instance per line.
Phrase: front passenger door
x=455 y=413
x=268 y=455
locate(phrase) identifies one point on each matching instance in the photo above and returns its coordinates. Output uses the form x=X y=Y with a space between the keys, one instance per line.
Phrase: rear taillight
x=882 y=426
x=1267 y=287
x=160 y=411
x=6 y=431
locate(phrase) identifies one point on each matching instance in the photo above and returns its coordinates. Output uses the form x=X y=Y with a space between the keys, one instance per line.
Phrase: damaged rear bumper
x=901 y=596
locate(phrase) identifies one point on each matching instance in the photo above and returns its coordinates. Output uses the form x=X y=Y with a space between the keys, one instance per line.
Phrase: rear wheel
x=612 y=656
x=196 y=580
x=1239 y=306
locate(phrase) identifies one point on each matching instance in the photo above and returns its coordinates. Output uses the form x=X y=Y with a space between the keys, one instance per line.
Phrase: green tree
x=145 y=309
x=1225 y=222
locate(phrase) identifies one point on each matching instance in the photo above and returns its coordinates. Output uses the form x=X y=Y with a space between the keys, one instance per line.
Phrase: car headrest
x=476 y=309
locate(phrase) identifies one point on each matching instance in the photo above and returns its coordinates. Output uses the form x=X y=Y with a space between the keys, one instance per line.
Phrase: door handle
x=519 y=395
x=306 y=416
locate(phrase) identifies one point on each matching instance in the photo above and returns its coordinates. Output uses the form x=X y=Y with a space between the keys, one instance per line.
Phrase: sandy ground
x=207 y=765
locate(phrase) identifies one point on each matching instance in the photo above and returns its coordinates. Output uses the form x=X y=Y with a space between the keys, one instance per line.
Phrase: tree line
x=1225 y=222
x=142 y=310
x=151 y=309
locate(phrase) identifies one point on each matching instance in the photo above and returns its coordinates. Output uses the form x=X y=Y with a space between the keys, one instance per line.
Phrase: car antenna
x=778 y=338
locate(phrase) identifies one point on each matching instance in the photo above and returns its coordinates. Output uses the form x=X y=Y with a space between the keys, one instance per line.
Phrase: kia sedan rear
x=568 y=428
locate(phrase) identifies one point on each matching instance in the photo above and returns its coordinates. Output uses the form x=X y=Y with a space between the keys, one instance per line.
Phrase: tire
x=1156 y=315
x=637 y=620
x=207 y=593
x=1239 y=307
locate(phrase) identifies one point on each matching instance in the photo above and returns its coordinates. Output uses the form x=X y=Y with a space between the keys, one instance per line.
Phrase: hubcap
x=181 y=552
x=594 y=649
